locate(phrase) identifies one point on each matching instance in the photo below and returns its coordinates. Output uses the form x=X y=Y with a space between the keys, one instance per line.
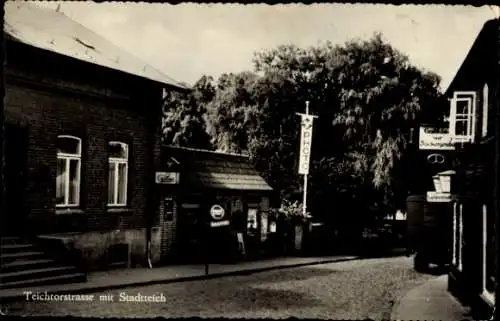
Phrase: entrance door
x=16 y=146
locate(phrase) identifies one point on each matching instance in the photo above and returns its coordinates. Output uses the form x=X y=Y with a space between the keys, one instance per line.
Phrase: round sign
x=217 y=212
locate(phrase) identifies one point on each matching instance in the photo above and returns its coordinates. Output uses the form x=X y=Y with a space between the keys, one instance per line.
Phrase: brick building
x=82 y=140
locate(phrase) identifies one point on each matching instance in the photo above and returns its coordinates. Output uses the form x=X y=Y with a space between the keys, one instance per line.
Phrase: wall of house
x=44 y=114
x=469 y=277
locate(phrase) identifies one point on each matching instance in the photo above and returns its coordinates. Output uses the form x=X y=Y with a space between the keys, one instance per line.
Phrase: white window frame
x=484 y=125
x=68 y=157
x=118 y=161
x=470 y=117
x=489 y=296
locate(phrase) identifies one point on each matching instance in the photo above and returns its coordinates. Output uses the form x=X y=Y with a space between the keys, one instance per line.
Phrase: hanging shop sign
x=167 y=178
x=217 y=213
x=440 y=197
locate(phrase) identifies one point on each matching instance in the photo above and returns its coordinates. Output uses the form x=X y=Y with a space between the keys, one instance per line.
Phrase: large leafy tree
x=183 y=115
x=369 y=100
x=232 y=115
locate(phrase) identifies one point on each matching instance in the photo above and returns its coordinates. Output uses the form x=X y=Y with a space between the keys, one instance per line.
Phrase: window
x=69 y=153
x=484 y=128
x=118 y=174
x=462 y=116
x=252 y=219
x=236 y=205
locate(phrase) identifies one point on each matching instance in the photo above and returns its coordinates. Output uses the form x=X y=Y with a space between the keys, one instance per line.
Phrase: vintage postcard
x=332 y=161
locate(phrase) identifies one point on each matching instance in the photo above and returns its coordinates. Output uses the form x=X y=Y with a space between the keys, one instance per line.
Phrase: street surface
x=359 y=289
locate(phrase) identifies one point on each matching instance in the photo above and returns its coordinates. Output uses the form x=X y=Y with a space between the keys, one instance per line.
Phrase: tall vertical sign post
x=306 y=125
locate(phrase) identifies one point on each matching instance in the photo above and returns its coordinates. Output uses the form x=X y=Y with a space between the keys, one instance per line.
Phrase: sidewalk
x=430 y=301
x=116 y=279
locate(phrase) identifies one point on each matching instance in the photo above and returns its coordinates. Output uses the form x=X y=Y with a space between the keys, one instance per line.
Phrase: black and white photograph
x=316 y=161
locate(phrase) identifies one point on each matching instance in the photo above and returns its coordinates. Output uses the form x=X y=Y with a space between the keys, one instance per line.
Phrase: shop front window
x=252 y=224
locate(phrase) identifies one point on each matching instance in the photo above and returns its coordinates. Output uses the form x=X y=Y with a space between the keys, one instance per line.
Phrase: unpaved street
x=346 y=290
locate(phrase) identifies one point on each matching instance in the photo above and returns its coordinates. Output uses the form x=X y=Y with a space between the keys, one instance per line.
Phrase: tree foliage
x=369 y=100
x=183 y=122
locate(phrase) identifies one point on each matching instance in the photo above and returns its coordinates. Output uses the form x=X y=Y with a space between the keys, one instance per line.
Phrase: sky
x=186 y=41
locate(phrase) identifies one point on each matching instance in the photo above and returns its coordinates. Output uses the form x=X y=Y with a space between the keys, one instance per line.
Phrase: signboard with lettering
x=305 y=143
x=434 y=141
x=440 y=197
x=167 y=178
x=219 y=223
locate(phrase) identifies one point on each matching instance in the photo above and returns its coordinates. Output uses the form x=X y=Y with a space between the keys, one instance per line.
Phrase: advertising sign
x=217 y=212
x=219 y=223
x=439 y=197
x=434 y=141
x=166 y=178
x=305 y=143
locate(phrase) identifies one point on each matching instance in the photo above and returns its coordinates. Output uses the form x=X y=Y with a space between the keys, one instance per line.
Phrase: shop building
x=212 y=205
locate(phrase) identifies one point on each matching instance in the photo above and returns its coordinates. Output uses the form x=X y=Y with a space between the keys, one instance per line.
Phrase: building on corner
x=82 y=141
x=474 y=126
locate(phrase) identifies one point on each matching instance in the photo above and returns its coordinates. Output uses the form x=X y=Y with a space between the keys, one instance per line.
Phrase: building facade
x=474 y=127
x=464 y=173
x=212 y=205
x=82 y=141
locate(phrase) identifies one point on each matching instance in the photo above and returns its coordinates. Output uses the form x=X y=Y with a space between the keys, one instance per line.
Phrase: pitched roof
x=216 y=170
x=54 y=31
x=479 y=63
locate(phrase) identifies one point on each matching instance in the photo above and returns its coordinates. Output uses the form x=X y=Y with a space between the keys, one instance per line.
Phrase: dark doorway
x=16 y=147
